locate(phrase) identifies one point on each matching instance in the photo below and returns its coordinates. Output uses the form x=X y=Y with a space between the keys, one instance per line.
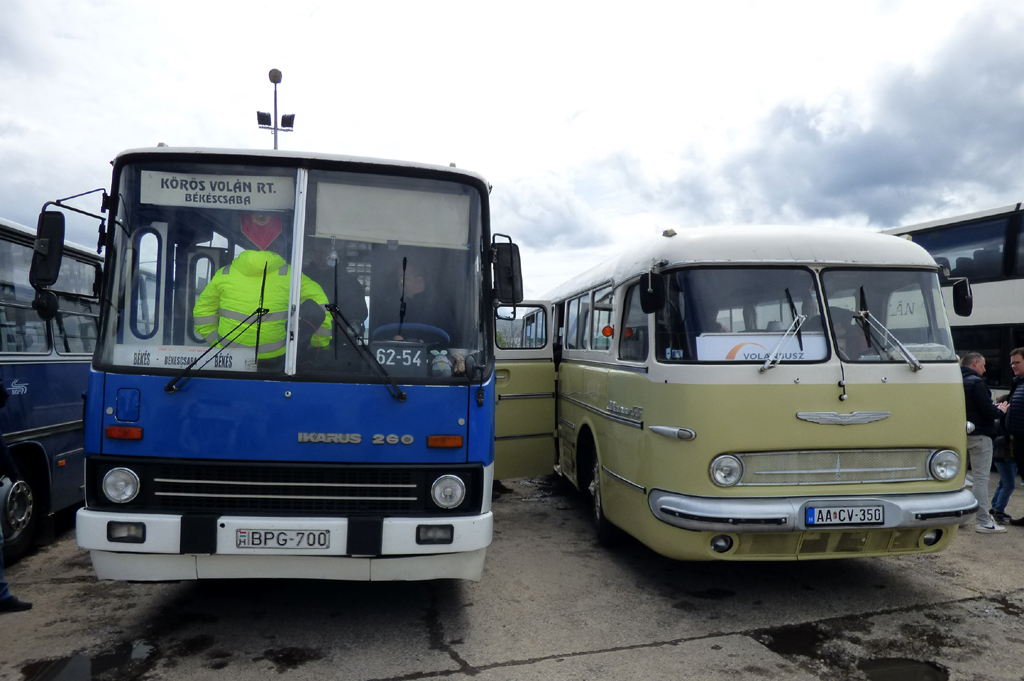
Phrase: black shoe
x=12 y=604
x=1001 y=517
x=1019 y=522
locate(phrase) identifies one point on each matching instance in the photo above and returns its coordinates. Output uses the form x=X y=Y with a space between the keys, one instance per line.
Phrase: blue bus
x=339 y=424
x=44 y=367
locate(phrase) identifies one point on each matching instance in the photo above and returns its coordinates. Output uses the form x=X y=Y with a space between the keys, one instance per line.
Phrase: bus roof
x=921 y=226
x=751 y=245
x=29 y=236
x=301 y=155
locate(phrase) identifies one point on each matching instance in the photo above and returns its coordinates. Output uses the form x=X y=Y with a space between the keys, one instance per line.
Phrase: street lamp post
x=263 y=118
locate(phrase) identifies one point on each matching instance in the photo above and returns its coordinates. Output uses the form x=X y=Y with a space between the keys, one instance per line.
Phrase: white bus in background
x=987 y=249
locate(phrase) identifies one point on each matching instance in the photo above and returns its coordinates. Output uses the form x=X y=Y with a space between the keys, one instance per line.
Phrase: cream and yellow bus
x=760 y=393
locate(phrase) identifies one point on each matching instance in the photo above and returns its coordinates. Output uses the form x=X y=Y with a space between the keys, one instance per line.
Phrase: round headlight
x=448 y=491
x=121 y=485
x=944 y=464
x=726 y=470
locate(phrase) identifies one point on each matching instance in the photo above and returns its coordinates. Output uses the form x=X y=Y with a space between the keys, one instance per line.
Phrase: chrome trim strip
x=522 y=437
x=283 y=484
x=787 y=514
x=280 y=496
x=838 y=470
x=831 y=418
x=504 y=360
x=608 y=415
x=525 y=396
x=621 y=479
x=34 y=433
x=594 y=362
x=673 y=433
x=566 y=423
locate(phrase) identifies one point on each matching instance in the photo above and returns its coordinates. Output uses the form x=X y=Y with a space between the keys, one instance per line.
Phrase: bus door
x=524 y=442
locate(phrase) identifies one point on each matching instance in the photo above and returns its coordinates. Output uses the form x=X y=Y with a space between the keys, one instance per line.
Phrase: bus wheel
x=18 y=518
x=607 y=533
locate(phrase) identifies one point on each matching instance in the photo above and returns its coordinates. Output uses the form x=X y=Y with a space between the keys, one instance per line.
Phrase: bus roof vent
x=669 y=232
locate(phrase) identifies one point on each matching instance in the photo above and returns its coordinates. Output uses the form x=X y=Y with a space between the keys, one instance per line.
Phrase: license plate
x=283 y=539
x=845 y=515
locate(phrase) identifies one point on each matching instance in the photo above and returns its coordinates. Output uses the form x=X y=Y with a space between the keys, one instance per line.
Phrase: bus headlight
x=944 y=465
x=726 y=470
x=120 y=485
x=448 y=491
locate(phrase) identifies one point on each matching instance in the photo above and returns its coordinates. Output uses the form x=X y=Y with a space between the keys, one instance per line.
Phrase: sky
x=597 y=123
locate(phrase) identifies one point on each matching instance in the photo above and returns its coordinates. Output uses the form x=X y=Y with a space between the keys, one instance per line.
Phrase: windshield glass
x=739 y=315
x=207 y=256
x=906 y=302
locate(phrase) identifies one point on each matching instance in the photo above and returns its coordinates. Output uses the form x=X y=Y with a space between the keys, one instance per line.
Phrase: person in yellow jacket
x=234 y=294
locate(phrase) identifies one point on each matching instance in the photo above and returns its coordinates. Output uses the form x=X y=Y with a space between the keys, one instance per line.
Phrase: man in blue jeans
x=8 y=603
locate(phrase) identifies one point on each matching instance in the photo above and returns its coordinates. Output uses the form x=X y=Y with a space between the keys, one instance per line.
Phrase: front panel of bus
x=368 y=402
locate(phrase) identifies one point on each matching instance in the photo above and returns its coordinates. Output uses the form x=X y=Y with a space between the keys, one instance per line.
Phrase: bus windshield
x=907 y=303
x=740 y=314
x=206 y=263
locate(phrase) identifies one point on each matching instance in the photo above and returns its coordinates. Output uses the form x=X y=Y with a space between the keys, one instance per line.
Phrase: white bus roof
x=30 y=234
x=301 y=155
x=752 y=245
x=921 y=226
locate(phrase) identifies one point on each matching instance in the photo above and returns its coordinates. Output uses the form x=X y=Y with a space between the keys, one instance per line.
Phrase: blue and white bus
x=360 y=449
x=44 y=367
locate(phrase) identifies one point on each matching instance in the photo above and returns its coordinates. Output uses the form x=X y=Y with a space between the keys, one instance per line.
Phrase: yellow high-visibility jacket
x=234 y=293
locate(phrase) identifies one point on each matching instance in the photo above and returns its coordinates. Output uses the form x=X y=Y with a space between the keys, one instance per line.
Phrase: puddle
x=131 y=660
x=798 y=639
x=900 y=669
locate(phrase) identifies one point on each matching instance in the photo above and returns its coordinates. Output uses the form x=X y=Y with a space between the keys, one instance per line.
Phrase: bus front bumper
x=167 y=552
x=790 y=514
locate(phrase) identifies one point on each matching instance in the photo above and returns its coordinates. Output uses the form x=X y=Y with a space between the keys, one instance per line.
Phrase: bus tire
x=607 y=533
x=19 y=517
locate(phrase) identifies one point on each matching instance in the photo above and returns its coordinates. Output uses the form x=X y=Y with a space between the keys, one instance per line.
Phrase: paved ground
x=552 y=605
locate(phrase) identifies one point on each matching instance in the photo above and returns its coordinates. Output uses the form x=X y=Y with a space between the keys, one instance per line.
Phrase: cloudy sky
x=597 y=123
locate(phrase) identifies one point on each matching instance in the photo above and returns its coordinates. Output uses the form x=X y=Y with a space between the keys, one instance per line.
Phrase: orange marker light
x=124 y=432
x=444 y=441
x=607 y=332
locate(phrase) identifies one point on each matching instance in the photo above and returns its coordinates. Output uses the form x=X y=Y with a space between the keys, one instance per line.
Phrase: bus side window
x=633 y=344
x=602 y=318
x=21 y=329
x=572 y=317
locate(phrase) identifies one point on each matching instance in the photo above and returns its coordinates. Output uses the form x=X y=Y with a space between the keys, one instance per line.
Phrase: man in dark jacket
x=1013 y=424
x=983 y=413
x=8 y=603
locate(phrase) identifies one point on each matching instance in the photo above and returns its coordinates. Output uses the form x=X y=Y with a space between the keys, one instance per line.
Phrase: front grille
x=831 y=466
x=274 y=488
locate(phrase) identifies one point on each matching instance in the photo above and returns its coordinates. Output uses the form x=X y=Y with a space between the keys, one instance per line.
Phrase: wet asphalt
x=553 y=604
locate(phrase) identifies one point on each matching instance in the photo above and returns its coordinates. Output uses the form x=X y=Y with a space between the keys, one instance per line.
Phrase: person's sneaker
x=12 y=604
x=991 y=528
x=1016 y=522
x=1001 y=517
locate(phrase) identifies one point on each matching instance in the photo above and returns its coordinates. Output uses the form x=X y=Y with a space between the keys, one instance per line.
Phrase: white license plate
x=283 y=539
x=844 y=515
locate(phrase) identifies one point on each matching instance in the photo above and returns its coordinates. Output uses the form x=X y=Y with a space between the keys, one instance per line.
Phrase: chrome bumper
x=788 y=514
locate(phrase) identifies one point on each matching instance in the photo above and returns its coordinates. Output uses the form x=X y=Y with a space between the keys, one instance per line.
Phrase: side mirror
x=48 y=250
x=508 y=273
x=652 y=292
x=963 y=299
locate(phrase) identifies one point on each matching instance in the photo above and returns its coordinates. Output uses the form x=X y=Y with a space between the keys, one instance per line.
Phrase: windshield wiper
x=871 y=322
x=173 y=386
x=364 y=353
x=792 y=312
x=774 y=358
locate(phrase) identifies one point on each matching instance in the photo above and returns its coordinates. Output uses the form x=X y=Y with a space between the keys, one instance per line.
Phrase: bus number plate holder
x=828 y=516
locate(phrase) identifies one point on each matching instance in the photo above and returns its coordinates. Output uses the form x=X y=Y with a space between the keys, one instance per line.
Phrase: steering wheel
x=430 y=335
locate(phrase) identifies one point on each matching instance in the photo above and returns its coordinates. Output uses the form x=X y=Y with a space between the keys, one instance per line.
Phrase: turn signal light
x=444 y=441
x=124 y=432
